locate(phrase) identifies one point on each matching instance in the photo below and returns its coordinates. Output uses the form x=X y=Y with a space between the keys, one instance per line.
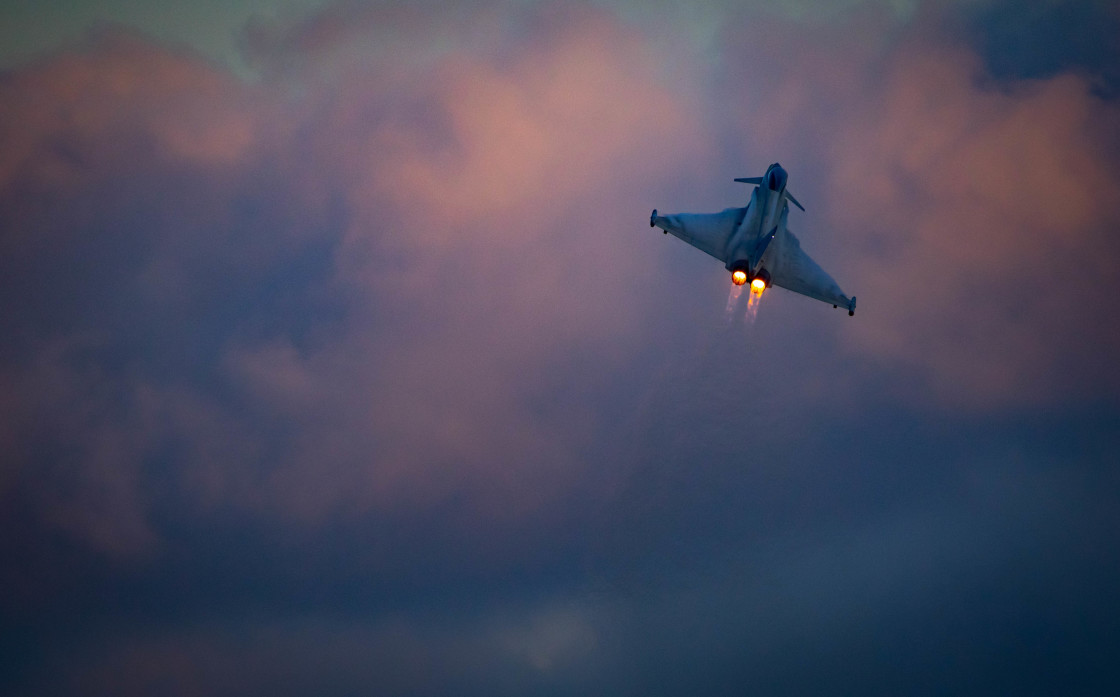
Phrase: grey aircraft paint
x=756 y=240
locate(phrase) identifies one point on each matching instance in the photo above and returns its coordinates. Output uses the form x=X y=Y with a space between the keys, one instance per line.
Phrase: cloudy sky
x=337 y=355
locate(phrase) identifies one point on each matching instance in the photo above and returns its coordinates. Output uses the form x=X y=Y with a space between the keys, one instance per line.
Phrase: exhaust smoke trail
x=753 y=302
x=732 y=301
x=754 y=298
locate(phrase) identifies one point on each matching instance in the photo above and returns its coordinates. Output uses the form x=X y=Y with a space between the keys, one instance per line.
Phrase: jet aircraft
x=755 y=244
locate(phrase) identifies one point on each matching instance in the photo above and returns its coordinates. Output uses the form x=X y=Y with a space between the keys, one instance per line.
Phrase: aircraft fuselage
x=766 y=211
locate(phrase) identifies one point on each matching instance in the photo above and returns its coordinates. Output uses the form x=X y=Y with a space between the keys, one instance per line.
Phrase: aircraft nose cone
x=776 y=177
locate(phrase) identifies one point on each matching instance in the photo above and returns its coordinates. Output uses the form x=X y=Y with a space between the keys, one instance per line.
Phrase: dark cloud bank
x=368 y=378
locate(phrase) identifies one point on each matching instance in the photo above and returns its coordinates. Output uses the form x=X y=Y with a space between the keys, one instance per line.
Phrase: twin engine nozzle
x=741 y=274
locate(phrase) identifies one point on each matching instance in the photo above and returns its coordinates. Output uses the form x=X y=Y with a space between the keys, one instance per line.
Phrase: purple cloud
x=396 y=306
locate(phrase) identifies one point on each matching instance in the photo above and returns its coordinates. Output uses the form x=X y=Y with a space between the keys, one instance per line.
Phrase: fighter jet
x=755 y=244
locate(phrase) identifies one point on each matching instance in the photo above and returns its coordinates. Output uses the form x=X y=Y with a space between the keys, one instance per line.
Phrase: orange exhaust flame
x=739 y=277
x=757 y=286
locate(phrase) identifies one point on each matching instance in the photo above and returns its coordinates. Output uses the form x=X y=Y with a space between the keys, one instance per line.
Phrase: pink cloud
x=114 y=95
x=480 y=210
x=970 y=218
x=477 y=242
x=1004 y=201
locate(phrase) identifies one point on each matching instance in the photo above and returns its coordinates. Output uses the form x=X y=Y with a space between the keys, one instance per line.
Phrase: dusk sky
x=337 y=355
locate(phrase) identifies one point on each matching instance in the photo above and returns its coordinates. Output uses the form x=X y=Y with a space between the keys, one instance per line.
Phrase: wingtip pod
x=852 y=306
x=652 y=217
